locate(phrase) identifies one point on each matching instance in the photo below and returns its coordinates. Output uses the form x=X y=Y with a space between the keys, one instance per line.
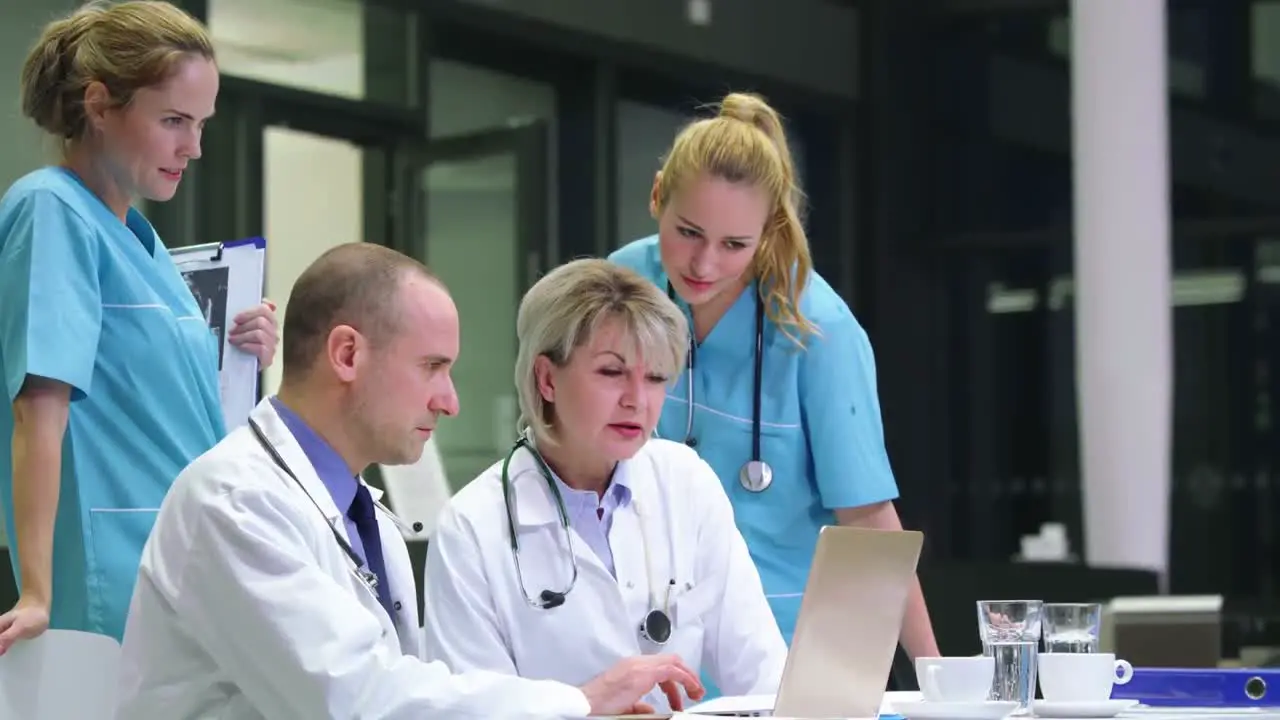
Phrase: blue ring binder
x=1202 y=687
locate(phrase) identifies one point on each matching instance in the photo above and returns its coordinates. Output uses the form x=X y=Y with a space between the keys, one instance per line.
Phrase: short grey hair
x=563 y=309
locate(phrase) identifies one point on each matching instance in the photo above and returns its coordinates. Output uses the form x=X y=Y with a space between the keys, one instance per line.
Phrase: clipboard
x=226 y=279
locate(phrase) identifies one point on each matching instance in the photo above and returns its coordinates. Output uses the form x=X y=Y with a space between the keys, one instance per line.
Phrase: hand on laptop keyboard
x=618 y=690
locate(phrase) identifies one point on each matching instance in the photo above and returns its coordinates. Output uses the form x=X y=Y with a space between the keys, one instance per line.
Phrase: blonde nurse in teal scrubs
x=780 y=394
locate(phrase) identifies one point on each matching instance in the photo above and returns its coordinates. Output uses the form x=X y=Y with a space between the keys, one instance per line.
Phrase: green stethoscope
x=656 y=626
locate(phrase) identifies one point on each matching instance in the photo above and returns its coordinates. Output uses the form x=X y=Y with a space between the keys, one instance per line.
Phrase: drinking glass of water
x=1010 y=631
x=1072 y=627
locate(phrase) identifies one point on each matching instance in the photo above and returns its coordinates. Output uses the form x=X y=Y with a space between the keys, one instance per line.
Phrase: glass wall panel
x=473 y=245
x=313 y=188
x=472 y=215
x=315 y=45
x=1014 y=398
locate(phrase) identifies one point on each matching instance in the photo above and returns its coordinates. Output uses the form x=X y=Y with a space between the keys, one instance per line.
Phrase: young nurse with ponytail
x=731 y=250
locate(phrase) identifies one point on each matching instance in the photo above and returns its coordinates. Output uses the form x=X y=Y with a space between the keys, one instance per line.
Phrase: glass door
x=486 y=235
x=304 y=170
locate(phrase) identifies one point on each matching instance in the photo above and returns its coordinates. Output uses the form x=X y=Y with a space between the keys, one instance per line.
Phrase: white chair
x=418 y=492
x=61 y=674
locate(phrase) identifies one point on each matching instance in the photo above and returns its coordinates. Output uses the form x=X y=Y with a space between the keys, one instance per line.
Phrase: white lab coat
x=246 y=607
x=477 y=617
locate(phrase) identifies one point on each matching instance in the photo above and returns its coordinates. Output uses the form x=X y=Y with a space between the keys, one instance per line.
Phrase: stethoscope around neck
x=656 y=626
x=755 y=475
x=367 y=576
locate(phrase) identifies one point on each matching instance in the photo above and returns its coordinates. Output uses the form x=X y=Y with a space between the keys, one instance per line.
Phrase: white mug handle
x=1124 y=672
x=931 y=682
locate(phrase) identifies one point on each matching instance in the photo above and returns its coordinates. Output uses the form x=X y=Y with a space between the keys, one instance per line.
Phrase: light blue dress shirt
x=329 y=466
x=591 y=513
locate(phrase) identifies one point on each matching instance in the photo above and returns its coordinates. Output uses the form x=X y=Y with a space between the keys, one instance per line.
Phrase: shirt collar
x=617 y=495
x=328 y=464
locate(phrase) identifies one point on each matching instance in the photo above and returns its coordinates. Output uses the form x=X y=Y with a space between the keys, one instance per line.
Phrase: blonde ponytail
x=746 y=142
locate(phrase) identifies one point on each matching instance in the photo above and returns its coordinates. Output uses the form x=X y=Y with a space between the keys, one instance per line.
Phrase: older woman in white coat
x=591 y=541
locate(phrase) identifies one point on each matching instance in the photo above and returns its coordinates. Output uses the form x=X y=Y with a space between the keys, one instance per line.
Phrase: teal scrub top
x=99 y=304
x=820 y=426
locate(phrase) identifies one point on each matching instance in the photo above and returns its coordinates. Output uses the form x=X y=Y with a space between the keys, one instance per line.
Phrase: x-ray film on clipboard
x=227 y=279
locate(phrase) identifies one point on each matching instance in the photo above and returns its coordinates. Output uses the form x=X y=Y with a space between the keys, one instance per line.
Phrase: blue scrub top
x=820 y=425
x=98 y=304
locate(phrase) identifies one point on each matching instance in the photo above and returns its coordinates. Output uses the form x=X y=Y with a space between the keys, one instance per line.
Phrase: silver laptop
x=847 y=630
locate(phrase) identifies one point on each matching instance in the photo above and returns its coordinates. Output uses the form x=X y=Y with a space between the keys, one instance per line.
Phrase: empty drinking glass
x=1010 y=631
x=1072 y=627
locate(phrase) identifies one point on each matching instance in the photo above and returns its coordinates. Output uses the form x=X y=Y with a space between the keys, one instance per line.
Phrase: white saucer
x=981 y=710
x=1086 y=709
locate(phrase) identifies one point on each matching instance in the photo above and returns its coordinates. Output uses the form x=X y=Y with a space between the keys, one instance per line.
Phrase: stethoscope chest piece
x=756 y=476
x=656 y=627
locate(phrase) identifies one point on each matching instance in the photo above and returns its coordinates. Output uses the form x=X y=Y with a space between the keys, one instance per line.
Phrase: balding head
x=356 y=285
x=370 y=338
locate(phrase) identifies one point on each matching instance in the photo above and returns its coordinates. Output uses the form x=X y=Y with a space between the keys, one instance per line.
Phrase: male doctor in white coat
x=274 y=585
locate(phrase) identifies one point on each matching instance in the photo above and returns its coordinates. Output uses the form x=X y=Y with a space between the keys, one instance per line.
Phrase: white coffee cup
x=1081 y=677
x=955 y=679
